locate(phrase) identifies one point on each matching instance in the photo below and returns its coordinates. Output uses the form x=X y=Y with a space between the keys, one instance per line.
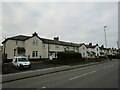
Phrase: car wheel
x=17 y=67
x=12 y=65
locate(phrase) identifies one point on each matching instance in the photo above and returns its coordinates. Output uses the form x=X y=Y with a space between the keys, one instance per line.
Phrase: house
x=35 y=47
x=114 y=51
x=103 y=50
x=93 y=50
x=108 y=51
x=83 y=50
x=0 y=53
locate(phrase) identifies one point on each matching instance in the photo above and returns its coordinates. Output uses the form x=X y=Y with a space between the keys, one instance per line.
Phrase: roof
x=102 y=48
x=82 y=44
x=89 y=46
x=48 y=41
x=19 y=37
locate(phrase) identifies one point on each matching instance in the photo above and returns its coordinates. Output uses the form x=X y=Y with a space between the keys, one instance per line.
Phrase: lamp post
x=118 y=49
x=105 y=36
x=105 y=40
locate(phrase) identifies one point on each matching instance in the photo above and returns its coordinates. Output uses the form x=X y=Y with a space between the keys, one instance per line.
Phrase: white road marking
x=43 y=87
x=82 y=75
x=108 y=66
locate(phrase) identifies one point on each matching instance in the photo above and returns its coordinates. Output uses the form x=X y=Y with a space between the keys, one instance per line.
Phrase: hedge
x=68 y=55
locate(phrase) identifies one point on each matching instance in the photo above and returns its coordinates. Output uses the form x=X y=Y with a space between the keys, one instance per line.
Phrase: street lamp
x=105 y=36
x=105 y=40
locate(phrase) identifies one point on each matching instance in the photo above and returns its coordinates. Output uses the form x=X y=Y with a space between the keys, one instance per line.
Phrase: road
x=97 y=76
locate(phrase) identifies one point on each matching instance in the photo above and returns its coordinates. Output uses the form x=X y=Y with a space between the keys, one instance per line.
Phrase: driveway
x=34 y=66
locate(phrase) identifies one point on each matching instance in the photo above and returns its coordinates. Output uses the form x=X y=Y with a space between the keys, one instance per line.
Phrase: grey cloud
x=75 y=22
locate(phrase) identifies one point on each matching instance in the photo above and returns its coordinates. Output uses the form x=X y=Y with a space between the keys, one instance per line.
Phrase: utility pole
x=118 y=48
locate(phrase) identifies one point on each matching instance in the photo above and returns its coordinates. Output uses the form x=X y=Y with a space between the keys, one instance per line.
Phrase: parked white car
x=21 y=62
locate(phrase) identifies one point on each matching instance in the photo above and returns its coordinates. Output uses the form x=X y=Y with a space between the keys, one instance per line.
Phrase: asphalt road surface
x=97 y=76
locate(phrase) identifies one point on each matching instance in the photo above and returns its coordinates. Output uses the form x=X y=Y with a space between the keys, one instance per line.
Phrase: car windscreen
x=22 y=59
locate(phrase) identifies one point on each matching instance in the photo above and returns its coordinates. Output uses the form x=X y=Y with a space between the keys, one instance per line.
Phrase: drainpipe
x=48 y=49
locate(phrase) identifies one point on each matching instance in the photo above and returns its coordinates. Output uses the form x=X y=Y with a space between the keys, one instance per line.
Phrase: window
x=83 y=48
x=35 y=54
x=14 y=51
x=16 y=42
x=35 y=42
x=67 y=47
x=43 y=45
x=97 y=49
x=57 y=46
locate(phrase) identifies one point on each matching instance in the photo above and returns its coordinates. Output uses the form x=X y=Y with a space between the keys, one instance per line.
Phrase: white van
x=21 y=62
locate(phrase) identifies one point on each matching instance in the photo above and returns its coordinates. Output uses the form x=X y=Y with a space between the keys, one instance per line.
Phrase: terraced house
x=35 y=47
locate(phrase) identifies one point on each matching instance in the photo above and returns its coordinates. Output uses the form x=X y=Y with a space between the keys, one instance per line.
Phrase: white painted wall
x=83 y=50
x=30 y=47
x=10 y=45
x=97 y=50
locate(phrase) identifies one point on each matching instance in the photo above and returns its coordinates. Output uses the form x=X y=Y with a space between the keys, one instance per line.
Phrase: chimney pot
x=56 y=38
x=35 y=34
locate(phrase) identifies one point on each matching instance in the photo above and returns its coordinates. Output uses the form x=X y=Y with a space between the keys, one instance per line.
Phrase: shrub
x=68 y=55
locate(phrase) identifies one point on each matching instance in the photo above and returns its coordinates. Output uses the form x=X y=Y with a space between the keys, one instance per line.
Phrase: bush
x=56 y=61
x=68 y=55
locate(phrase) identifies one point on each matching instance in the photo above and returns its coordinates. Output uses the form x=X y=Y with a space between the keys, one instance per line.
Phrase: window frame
x=33 y=53
x=56 y=46
x=35 y=42
x=44 y=46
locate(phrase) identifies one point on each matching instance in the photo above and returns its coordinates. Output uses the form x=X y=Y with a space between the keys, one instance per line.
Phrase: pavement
x=39 y=72
x=104 y=75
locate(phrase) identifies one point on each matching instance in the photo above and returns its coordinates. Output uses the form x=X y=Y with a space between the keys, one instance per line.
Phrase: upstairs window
x=43 y=45
x=67 y=47
x=35 y=42
x=57 y=46
x=16 y=42
x=83 y=48
x=97 y=49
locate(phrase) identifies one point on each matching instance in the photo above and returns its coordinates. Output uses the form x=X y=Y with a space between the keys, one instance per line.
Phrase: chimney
x=102 y=46
x=96 y=44
x=90 y=44
x=56 y=38
x=35 y=34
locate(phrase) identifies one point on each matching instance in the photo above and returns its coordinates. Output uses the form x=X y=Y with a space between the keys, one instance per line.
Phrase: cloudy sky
x=78 y=22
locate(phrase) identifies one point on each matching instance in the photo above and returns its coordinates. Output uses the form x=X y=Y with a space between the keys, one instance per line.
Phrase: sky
x=77 y=22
